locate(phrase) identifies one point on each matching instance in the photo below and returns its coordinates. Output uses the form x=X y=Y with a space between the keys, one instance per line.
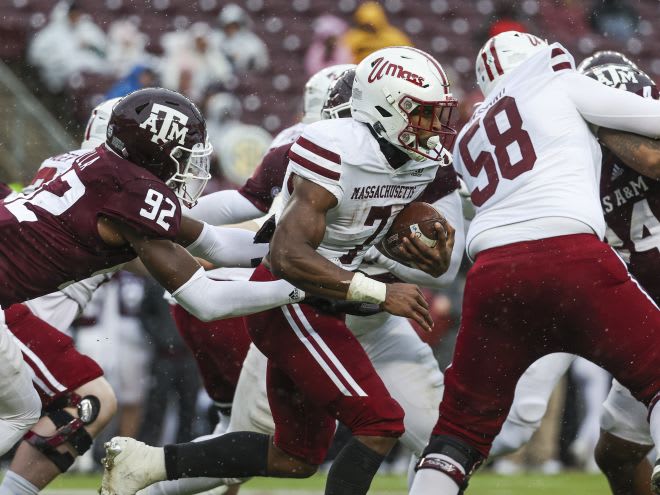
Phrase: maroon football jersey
x=266 y=181
x=631 y=204
x=445 y=182
x=49 y=238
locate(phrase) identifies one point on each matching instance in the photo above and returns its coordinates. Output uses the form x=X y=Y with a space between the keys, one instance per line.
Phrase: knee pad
x=70 y=430
x=376 y=416
x=452 y=457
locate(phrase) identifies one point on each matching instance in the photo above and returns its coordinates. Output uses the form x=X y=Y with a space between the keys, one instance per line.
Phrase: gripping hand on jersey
x=432 y=260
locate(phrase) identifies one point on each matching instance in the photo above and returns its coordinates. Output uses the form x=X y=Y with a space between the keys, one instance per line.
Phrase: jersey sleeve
x=266 y=181
x=611 y=107
x=561 y=59
x=148 y=206
x=445 y=182
x=314 y=157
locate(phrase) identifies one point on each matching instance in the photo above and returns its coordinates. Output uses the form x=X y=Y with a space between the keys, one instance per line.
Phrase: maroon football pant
x=522 y=301
x=318 y=372
x=219 y=347
x=58 y=368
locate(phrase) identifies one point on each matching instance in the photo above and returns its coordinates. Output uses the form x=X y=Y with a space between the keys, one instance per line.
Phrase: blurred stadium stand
x=452 y=30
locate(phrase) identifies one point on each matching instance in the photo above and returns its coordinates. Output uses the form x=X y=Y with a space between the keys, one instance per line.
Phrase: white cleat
x=655 y=478
x=130 y=466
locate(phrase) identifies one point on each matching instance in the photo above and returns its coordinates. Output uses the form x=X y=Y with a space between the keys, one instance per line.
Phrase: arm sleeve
x=610 y=107
x=228 y=247
x=224 y=207
x=313 y=157
x=211 y=299
x=451 y=208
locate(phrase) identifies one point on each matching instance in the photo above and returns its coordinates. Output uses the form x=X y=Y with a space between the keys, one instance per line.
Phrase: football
x=415 y=220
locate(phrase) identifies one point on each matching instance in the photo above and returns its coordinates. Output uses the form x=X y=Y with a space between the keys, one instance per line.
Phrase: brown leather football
x=416 y=219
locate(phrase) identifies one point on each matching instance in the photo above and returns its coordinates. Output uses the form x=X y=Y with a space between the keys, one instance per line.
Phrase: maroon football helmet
x=626 y=77
x=604 y=57
x=164 y=132
x=337 y=103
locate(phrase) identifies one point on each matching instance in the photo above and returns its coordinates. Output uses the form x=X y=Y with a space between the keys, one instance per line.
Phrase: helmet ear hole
x=382 y=111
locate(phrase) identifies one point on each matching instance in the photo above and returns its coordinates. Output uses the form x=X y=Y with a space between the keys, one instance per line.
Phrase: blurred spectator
x=140 y=77
x=565 y=19
x=372 y=32
x=238 y=147
x=126 y=47
x=70 y=43
x=327 y=46
x=505 y=19
x=174 y=377
x=192 y=62
x=245 y=50
x=615 y=18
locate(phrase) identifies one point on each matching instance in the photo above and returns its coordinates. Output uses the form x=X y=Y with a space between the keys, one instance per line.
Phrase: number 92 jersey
x=49 y=238
x=527 y=153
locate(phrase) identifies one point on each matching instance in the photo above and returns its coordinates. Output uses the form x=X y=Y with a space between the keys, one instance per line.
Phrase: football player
x=630 y=202
x=60 y=309
x=120 y=200
x=404 y=363
x=542 y=281
x=346 y=180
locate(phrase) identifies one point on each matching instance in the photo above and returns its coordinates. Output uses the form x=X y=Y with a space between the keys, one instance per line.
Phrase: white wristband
x=366 y=289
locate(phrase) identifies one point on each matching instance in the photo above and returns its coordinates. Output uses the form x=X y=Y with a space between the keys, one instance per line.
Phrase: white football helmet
x=316 y=90
x=394 y=90
x=97 y=125
x=503 y=53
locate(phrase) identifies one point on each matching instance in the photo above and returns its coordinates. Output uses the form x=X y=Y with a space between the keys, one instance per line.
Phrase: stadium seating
x=452 y=30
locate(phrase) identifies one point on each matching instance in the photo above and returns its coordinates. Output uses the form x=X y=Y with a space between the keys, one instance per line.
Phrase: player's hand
x=407 y=300
x=432 y=260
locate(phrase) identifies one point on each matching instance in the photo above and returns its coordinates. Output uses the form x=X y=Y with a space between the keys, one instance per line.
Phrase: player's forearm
x=228 y=247
x=211 y=299
x=640 y=153
x=305 y=268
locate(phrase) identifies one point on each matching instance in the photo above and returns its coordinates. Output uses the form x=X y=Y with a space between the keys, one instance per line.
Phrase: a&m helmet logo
x=172 y=125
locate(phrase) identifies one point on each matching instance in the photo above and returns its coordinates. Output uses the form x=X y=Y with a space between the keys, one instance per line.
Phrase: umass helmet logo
x=172 y=124
x=382 y=67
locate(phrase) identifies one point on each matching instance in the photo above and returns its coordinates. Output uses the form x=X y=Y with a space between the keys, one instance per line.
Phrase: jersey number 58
x=501 y=141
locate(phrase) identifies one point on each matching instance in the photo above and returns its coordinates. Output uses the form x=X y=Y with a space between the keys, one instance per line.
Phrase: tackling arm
x=613 y=108
x=222 y=246
x=640 y=153
x=178 y=272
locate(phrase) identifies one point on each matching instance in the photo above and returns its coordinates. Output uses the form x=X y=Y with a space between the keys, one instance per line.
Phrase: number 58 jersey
x=49 y=237
x=527 y=153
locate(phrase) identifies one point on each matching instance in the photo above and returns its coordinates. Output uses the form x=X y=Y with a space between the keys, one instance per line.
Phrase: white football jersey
x=288 y=135
x=343 y=157
x=528 y=154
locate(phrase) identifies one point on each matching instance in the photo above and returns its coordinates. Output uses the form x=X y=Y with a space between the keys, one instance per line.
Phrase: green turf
x=481 y=484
